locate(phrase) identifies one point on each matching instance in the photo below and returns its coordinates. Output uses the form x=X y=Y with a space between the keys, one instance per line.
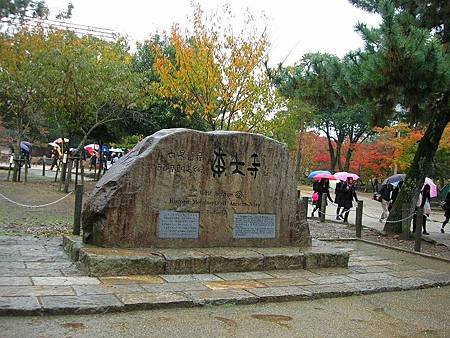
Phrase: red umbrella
x=318 y=177
x=91 y=148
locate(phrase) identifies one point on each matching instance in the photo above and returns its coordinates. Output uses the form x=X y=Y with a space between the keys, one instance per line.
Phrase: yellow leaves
x=216 y=72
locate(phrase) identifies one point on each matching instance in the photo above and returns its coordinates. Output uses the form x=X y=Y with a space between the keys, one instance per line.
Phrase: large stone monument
x=181 y=188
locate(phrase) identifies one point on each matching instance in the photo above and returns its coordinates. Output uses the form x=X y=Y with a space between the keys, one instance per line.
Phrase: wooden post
x=418 y=232
x=305 y=206
x=43 y=165
x=358 y=221
x=77 y=163
x=82 y=172
x=19 y=171
x=57 y=171
x=68 y=175
x=63 y=170
x=323 y=207
x=78 y=208
x=406 y=222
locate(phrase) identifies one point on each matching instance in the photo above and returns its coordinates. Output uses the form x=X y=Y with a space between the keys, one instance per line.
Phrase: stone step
x=97 y=261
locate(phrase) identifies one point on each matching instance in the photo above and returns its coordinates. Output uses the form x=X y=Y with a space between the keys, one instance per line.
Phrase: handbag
x=427 y=208
x=315 y=196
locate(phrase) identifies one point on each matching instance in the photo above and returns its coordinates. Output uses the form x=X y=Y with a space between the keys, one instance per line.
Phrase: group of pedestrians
x=345 y=193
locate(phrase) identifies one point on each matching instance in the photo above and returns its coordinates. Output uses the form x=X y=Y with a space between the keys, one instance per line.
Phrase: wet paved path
x=37 y=277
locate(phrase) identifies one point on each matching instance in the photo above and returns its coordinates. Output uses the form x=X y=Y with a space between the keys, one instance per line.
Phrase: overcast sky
x=299 y=26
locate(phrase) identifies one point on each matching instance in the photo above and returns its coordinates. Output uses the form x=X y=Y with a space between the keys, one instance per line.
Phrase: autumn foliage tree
x=217 y=72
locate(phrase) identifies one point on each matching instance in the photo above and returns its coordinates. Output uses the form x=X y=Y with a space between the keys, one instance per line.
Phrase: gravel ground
x=58 y=218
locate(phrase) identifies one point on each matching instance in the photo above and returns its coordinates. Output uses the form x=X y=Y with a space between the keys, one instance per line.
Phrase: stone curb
x=200 y=260
x=300 y=294
x=352 y=239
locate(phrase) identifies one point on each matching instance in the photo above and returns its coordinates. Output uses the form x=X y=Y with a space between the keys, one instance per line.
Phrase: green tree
x=20 y=103
x=322 y=83
x=23 y=8
x=406 y=63
x=86 y=83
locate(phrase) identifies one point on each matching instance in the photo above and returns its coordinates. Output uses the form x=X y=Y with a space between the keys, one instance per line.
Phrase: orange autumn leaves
x=217 y=73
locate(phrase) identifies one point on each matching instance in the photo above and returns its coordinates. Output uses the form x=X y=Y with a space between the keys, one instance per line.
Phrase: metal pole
x=358 y=221
x=305 y=206
x=43 y=165
x=78 y=209
x=418 y=232
x=323 y=207
x=406 y=222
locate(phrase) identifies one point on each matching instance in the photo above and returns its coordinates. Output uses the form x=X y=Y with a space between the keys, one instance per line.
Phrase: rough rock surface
x=184 y=188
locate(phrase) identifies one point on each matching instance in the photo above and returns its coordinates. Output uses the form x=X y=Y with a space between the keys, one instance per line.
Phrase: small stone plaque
x=254 y=226
x=173 y=224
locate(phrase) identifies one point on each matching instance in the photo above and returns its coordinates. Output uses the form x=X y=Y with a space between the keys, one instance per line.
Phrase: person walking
x=348 y=194
x=424 y=202
x=394 y=195
x=322 y=187
x=55 y=154
x=385 y=195
x=338 y=199
x=446 y=212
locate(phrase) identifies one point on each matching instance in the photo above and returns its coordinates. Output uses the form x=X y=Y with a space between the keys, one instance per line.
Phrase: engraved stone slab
x=173 y=224
x=254 y=226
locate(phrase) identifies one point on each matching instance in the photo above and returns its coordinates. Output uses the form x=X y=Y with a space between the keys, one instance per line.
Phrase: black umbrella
x=394 y=179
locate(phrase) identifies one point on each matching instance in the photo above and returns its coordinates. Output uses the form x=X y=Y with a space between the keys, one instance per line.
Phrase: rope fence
x=35 y=206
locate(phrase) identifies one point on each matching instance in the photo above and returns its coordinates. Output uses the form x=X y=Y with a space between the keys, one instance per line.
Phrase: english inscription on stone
x=254 y=226
x=173 y=224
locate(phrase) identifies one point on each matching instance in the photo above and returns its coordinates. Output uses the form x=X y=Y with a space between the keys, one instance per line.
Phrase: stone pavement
x=36 y=277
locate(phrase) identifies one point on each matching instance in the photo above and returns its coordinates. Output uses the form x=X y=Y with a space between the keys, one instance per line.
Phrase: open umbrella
x=317 y=172
x=394 y=179
x=324 y=175
x=61 y=140
x=25 y=146
x=433 y=187
x=91 y=148
x=343 y=175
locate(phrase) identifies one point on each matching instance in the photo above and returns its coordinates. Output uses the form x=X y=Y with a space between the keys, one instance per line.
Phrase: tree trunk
x=348 y=156
x=421 y=166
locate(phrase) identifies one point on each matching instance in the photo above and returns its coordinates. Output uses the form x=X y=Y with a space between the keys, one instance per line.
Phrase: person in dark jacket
x=338 y=199
x=323 y=187
x=446 y=212
x=394 y=194
x=385 y=195
x=424 y=202
x=348 y=194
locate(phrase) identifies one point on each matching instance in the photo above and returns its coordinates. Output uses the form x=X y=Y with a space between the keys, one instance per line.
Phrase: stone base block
x=101 y=262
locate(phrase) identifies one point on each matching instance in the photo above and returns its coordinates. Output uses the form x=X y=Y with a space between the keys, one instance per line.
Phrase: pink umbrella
x=343 y=175
x=433 y=187
x=318 y=177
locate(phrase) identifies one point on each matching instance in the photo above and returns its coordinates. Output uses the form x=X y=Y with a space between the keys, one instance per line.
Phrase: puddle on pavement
x=229 y=322
x=74 y=325
x=277 y=319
